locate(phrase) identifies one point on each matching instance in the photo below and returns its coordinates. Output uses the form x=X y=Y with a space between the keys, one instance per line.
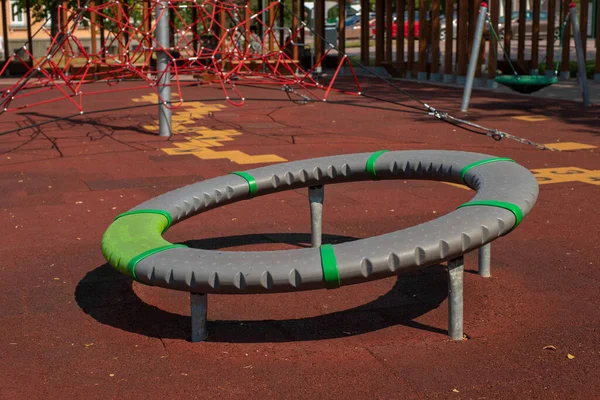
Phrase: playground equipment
x=189 y=44
x=506 y=192
x=528 y=83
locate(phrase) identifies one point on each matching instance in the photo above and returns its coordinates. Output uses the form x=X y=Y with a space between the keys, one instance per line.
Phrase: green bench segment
x=370 y=167
x=252 y=186
x=513 y=208
x=134 y=236
x=331 y=275
x=466 y=169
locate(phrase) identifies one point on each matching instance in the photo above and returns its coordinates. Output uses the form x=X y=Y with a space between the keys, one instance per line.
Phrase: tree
x=46 y=10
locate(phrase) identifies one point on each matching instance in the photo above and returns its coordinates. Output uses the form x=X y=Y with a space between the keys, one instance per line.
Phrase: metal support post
x=455 y=298
x=580 y=56
x=199 y=307
x=162 y=68
x=316 y=195
x=484 y=254
x=473 y=61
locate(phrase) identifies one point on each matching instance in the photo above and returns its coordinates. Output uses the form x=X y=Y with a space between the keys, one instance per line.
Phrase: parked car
x=353 y=31
x=395 y=26
x=528 y=25
x=332 y=12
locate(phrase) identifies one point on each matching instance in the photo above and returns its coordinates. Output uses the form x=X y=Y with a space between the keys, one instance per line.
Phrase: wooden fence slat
x=564 y=65
x=400 y=7
x=435 y=40
x=481 y=55
x=411 y=36
x=493 y=44
x=472 y=7
x=319 y=28
x=364 y=32
x=463 y=35
x=5 y=30
x=389 y=21
x=508 y=6
x=448 y=50
x=550 y=34
x=422 y=37
x=535 y=35
x=597 y=69
x=341 y=29
x=380 y=31
x=583 y=23
x=522 y=24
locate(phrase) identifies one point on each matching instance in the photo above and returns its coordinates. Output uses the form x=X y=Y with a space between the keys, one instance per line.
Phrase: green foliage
x=590 y=67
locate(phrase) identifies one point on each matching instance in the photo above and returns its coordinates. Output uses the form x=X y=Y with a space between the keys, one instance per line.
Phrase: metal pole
x=455 y=298
x=199 y=307
x=162 y=68
x=473 y=61
x=580 y=56
x=316 y=194
x=485 y=253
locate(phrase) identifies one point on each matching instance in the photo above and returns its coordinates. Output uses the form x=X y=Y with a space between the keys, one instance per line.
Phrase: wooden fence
x=422 y=58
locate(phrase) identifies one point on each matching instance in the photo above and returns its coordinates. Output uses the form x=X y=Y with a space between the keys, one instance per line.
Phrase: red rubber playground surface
x=72 y=327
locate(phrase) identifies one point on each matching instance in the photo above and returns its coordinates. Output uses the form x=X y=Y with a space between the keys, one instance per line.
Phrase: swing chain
x=435 y=113
x=495 y=134
x=290 y=90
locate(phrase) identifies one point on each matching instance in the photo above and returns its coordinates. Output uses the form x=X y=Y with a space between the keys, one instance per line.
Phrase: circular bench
x=505 y=193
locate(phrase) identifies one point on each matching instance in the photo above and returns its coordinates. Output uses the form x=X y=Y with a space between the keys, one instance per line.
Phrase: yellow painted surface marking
x=566 y=174
x=199 y=138
x=531 y=118
x=546 y=176
x=151 y=98
x=565 y=146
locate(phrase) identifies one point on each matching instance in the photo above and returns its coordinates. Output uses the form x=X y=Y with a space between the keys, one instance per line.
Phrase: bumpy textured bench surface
x=505 y=193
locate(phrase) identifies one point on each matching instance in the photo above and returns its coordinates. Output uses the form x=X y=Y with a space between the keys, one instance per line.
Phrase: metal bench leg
x=199 y=305
x=316 y=195
x=485 y=260
x=455 y=298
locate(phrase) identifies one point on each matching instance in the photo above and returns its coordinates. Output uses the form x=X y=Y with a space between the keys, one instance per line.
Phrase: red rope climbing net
x=226 y=43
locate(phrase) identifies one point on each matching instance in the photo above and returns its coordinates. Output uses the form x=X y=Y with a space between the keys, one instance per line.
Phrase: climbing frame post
x=316 y=195
x=484 y=256
x=162 y=67
x=580 y=56
x=474 y=60
x=199 y=310
x=455 y=298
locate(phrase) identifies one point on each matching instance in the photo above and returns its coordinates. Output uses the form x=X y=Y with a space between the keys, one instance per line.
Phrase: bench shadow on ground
x=108 y=297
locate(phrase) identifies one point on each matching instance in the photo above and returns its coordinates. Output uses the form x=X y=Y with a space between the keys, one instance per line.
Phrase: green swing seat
x=526 y=84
